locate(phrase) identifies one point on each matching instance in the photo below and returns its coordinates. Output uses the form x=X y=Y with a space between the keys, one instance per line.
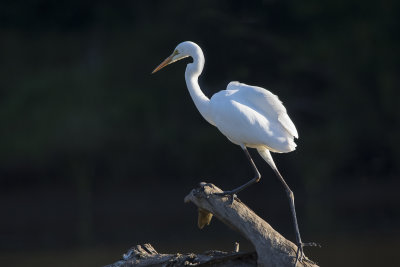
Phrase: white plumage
x=248 y=116
x=254 y=117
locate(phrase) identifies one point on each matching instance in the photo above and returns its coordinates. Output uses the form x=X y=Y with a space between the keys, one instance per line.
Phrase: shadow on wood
x=272 y=249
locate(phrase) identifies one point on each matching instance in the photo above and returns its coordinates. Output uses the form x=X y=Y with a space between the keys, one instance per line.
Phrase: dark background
x=96 y=154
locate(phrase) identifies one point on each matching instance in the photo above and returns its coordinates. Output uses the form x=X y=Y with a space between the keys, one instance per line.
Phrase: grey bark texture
x=146 y=255
x=272 y=249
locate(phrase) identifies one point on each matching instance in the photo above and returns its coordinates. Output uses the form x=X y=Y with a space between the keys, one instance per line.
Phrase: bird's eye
x=176 y=52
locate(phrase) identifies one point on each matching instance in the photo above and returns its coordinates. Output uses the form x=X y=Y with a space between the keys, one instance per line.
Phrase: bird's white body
x=248 y=116
x=254 y=117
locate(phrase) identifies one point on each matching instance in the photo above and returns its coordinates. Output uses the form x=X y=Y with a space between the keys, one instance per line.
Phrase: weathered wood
x=146 y=255
x=271 y=247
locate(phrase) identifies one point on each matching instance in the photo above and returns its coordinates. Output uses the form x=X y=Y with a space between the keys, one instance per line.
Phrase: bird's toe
x=231 y=195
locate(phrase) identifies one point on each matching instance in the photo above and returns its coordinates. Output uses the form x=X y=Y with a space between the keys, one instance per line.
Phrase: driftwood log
x=272 y=249
x=146 y=255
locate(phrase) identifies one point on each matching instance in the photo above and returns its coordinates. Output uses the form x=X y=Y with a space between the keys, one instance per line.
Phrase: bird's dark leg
x=232 y=193
x=256 y=179
x=300 y=245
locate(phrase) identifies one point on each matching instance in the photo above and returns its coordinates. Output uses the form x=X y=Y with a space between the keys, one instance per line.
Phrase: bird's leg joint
x=258 y=176
x=290 y=194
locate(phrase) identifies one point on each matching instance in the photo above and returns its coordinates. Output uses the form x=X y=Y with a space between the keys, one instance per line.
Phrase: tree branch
x=146 y=255
x=271 y=247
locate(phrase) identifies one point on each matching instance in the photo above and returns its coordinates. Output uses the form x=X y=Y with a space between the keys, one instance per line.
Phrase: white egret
x=248 y=116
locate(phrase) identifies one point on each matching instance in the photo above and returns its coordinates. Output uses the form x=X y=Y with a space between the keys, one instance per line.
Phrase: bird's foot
x=300 y=252
x=230 y=194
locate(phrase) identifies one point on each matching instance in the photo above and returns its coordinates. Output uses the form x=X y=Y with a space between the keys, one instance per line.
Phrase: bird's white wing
x=264 y=102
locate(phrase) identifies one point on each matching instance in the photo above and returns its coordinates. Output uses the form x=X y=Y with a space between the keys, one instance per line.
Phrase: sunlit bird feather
x=248 y=116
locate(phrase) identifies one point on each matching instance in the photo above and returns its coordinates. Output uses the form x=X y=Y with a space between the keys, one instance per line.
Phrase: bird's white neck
x=192 y=73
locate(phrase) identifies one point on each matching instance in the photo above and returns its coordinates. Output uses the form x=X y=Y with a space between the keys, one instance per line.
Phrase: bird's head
x=183 y=50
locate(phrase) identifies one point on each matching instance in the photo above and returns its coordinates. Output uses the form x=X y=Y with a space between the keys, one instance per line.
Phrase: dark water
x=96 y=154
x=339 y=252
x=49 y=227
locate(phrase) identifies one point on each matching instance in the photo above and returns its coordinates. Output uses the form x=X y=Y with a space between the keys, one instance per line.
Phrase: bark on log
x=146 y=255
x=272 y=249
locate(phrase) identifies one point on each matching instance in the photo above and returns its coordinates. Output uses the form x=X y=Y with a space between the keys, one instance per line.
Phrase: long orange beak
x=167 y=61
